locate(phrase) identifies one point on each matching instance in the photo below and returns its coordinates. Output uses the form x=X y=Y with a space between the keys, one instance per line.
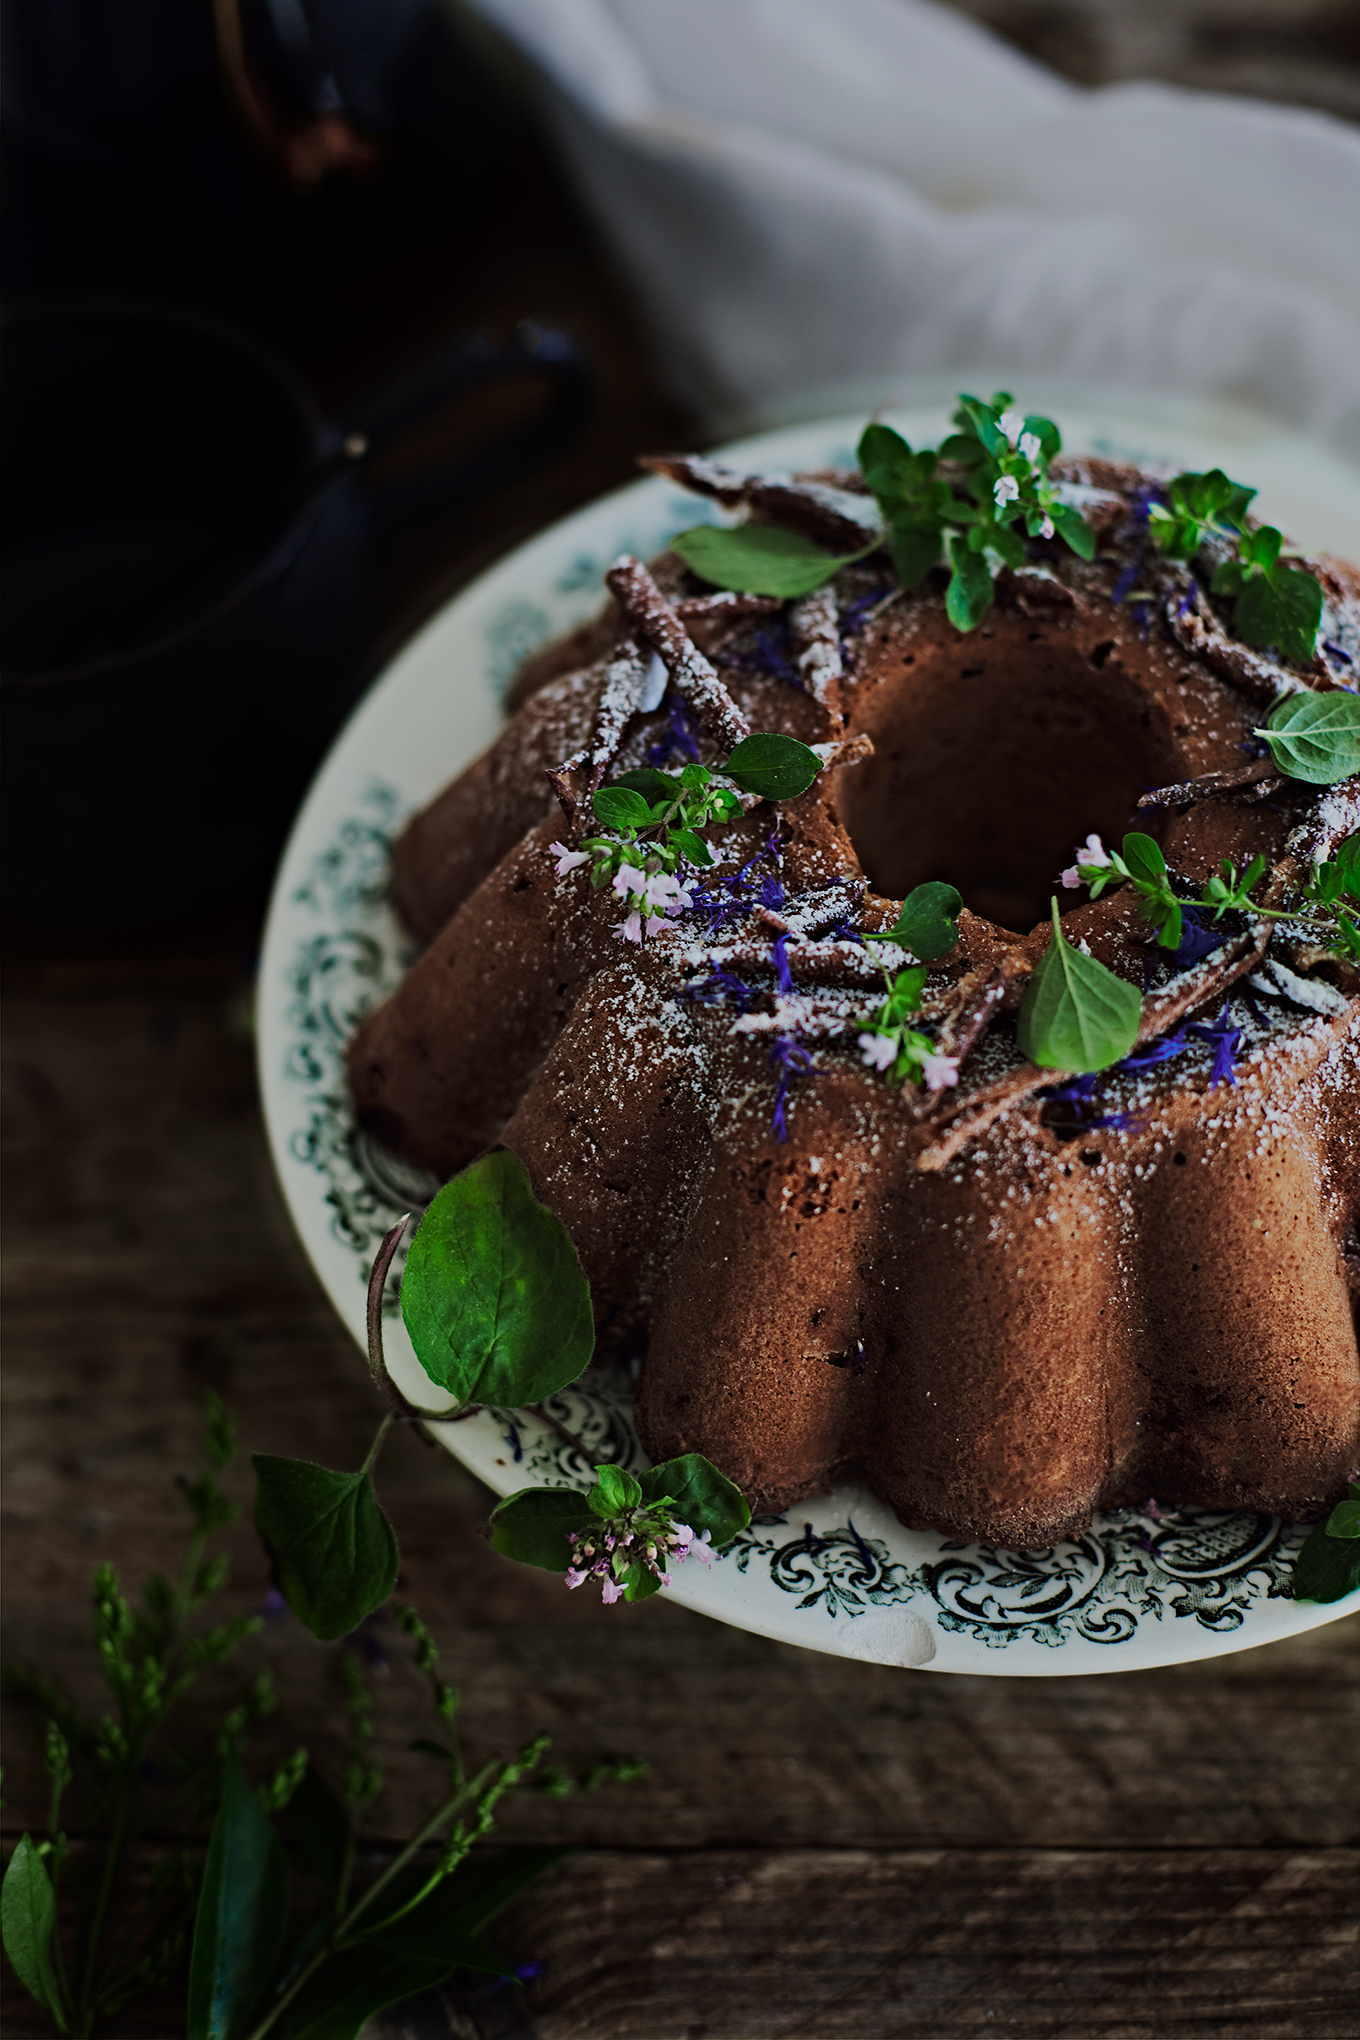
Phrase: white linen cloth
x=811 y=194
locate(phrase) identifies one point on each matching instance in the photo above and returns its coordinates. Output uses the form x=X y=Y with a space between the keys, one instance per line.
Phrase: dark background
x=822 y=1847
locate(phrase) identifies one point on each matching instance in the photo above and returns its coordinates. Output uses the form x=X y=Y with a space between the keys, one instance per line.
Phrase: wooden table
x=821 y=1847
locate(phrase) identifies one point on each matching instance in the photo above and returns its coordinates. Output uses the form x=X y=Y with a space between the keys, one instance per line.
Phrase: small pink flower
x=1005 y=489
x=1012 y=423
x=567 y=860
x=660 y=890
x=939 y=1071
x=575 y=1577
x=699 y=1548
x=1094 y=851
x=1046 y=528
x=630 y=930
x=682 y=1536
x=628 y=879
x=878 y=1049
x=1071 y=878
x=610 y=1591
x=1031 y=446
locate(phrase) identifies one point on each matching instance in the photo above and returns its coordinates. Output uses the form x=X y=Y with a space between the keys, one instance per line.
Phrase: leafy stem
x=361 y=1904
x=1273 y=603
x=653 y=819
x=1008 y=497
x=1334 y=890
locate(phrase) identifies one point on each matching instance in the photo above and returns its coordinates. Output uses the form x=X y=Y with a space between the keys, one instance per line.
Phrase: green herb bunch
x=893 y=1045
x=1333 y=891
x=149 y=1657
x=258 y=1964
x=1274 y=604
x=1007 y=496
x=626 y=1530
x=1140 y=863
x=653 y=819
x=1002 y=461
x=927 y=928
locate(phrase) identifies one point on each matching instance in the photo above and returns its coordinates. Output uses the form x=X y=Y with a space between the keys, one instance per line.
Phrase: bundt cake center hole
x=990 y=779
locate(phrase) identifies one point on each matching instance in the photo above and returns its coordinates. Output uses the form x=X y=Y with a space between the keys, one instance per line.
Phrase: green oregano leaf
x=1047 y=434
x=1077 y=1015
x=619 y=807
x=917 y=546
x=242 y=1913
x=1280 y=607
x=928 y=923
x=699 y=1495
x=887 y=463
x=332 y=1545
x=493 y=1295
x=1260 y=548
x=692 y=847
x=1071 y=526
x=535 y=1526
x=615 y=1490
x=28 y=1922
x=775 y=767
x=969 y=593
x=1143 y=856
x=1347 y=862
x=761 y=559
x=648 y=780
x=1315 y=737
x=1328 y=1567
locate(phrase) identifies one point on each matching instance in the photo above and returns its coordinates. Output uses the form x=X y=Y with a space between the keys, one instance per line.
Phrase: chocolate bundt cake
x=1007 y=1295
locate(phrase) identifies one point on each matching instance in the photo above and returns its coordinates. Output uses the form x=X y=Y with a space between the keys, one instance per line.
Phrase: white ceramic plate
x=839 y=1573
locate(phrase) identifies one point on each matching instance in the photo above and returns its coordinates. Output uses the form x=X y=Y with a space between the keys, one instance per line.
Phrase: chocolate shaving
x=964 y=1118
x=1195 y=626
x=826 y=965
x=814 y=630
x=849 y=751
x=834 y=517
x=655 y=622
x=625 y=688
x=1262 y=772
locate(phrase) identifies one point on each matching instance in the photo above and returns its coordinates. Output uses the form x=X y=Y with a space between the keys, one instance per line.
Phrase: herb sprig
x=626 y=1530
x=1333 y=890
x=927 y=928
x=892 y=1045
x=257 y=1966
x=1076 y=1014
x=1274 y=604
x=653 y=818
x=1008 y=496
x=1005 y=458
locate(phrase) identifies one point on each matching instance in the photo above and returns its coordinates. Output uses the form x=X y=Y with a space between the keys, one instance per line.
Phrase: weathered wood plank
x=807 y=1944
x=1129 y=1945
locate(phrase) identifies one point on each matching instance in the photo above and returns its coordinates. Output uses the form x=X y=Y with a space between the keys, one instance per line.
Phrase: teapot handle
x=467 y=363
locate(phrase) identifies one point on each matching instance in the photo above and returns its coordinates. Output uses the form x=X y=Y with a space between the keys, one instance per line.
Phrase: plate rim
x=527 y=565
